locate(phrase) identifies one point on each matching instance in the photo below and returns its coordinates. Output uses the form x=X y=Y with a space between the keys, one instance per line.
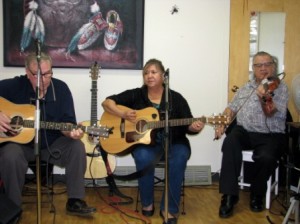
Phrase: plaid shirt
x=249 y=110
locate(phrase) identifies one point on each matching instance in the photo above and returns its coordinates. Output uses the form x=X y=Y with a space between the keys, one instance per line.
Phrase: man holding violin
x=259 y=110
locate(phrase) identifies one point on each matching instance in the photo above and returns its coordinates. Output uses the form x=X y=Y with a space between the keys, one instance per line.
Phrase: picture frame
x=75 y=33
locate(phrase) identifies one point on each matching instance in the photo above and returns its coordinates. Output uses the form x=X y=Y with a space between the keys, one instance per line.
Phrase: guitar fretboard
x=54 y=126
x=94 y=104
x=176 y=122
x=187 y=121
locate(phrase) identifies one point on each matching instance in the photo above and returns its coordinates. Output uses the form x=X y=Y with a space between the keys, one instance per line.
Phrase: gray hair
x=33 y=57
x=273 y=58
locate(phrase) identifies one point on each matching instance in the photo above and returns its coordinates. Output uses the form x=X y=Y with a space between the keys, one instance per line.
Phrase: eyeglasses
x=47 y=74
x=266 y=64
x=150 y=72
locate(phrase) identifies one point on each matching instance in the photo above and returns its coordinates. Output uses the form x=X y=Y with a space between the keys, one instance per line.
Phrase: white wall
x=193 y=44
x=271 y=38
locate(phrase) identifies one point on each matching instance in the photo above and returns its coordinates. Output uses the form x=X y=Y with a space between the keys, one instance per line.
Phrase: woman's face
x=152 y=76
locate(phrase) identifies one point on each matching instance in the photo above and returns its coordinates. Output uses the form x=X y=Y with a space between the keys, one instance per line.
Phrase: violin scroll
x=272 y=83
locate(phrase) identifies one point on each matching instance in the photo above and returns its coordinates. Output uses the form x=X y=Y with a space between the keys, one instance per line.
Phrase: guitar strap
x=113 y=189
x=134 y=175
x=110 y=176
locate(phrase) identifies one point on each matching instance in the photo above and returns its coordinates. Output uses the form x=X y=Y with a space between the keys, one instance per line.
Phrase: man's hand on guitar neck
x=75 y=133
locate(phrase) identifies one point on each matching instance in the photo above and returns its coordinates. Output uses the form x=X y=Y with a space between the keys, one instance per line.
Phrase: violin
x=270 y=84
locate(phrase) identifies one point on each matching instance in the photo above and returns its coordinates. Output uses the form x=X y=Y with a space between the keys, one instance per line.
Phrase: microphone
x=38 y=48
x=166 y=73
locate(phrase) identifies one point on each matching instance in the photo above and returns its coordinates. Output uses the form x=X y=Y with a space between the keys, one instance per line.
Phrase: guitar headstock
x=217 y=120
x=95 y=67
x=100 y=131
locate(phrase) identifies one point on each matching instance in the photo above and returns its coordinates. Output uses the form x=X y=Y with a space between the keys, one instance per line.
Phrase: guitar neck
x=54 y=126
x=175 y=122
x=94 y=103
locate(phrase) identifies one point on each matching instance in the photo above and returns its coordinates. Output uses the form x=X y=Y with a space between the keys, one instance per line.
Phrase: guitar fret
x=187 y=121
x=176 y=122
x=19 y=123
x=102 y=131
x=94 y=103
x=28 y=124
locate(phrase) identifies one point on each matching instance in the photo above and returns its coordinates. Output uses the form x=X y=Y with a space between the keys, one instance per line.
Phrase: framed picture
x=75 y=33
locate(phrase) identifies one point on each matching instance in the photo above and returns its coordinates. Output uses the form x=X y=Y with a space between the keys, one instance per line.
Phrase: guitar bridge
x=122 y=128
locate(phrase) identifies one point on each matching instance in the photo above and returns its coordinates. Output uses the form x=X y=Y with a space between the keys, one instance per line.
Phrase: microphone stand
x=166 y=142
x=37 y=132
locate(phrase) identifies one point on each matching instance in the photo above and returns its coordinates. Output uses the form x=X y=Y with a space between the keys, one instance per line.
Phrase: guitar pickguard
x=133 y=136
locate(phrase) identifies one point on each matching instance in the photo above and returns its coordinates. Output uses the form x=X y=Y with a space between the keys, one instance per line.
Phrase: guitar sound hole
x=17 y=123
x=141 y=126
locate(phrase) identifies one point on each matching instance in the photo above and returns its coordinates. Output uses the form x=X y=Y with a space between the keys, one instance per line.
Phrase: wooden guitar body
x=96 y=167
x=126 y=134
x=23 y=124
x=25 y=111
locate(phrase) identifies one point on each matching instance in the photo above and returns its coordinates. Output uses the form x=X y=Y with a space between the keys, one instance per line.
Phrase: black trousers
x=268 y=149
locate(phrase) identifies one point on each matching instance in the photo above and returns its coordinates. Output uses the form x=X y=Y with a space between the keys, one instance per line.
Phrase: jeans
x=178 y=156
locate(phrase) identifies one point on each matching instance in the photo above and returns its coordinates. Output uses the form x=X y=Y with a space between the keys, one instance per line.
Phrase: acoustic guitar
x=96 y=166
x=125 y=134
x=23 y=124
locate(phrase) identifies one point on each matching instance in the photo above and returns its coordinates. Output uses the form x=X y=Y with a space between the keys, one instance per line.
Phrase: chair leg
x=137 y=200
x=183 y=194
x=271 y=186
x=276 y=180
x=158 y=180
x=242 y=176
x=268 y=193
